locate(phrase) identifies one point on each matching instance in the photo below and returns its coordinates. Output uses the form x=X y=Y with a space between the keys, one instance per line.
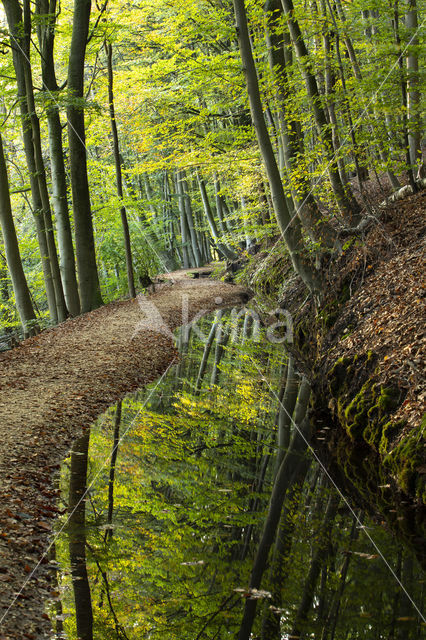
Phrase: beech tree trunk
x=403 y=85
x=346 y=202
x=46 y=37
x=111 y=480
x=279 y=563
x=61 y=307
x=305 y=204
x=286 y=476
x=315 y=568
x=186 y=209
x=290 y=226
x=13 y=256
x=184 y=231
x=414 y=94
x=118 y=174
x=224 y=250
x=21 y=51
x=90 y=293
x=77 y=537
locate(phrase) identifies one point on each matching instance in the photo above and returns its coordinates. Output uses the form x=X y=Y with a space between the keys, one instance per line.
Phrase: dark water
x=164 y=543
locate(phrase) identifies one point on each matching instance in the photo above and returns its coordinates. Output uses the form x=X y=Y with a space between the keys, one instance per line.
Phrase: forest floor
x=372 y=341
x=369 y=330
x=52 y=386
x=385 y=312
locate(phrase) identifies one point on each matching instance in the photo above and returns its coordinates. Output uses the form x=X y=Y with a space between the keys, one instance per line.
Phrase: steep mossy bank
x=362 y=349
x=374 y=455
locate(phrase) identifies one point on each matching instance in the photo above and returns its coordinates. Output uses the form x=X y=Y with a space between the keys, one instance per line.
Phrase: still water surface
x=177 y=480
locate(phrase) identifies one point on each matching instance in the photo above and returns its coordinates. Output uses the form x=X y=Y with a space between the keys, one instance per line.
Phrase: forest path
x=51 y=386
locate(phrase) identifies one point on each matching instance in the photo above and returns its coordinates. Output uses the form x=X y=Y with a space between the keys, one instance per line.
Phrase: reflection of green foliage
x=184 y=479
x=184 y=490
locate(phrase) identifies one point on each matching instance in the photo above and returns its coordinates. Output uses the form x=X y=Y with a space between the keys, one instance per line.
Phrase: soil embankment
x=370 y=371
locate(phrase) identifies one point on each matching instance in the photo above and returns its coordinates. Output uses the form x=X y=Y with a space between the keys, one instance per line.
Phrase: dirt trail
x=52 y=386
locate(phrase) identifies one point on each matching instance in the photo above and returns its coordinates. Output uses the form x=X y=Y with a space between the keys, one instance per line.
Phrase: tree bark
x=90 y=294
x=224 y=250
x=315 y=568
x=13 y=257
x=77 y=537
x=118 y=174
x=347 y=204
x=304 y=202
x=207 y=349
x=285 y=412
x=414 y=94
x=61 y=308
x=402 y=82
x=221 y=342
x=184 y=231
x=189 y=219
x=114 y=454
x=46 y=37
x=290 y=227
x=21 y=51
x=279 y=564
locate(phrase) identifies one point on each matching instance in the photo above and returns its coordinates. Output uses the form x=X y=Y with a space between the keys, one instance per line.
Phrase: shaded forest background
x=133 y=142
x=142 y=138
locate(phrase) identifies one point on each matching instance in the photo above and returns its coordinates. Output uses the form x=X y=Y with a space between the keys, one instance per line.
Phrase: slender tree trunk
x=279 y=564
x=402 y=81
x=330 y=82
x=315 y=568
x=77 y=537
x=284 y=479
x=348 y=43
x=118 y=174
x=224 y=250
x=222 y=341
x=4 y=285
x=90 y=294
x=385 y=156
x=219 y=207
x=304 y=202
x=285 y=412
x=184 y=231
x=21 y=52
x=207 y=349
x=290 y=227
x=406 y=628
x=46 y=9
x=114 y=454
x=347 y=204
x=190 y=219
x=415 y=128
x=61 y=307
x=13 y=257
x=396 y=598
x=333 y=614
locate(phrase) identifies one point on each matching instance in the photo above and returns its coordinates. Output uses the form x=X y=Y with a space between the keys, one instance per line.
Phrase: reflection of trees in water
x=215 y=490
x=77 y=537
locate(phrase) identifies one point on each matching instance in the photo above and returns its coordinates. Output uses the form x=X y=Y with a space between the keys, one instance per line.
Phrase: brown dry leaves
x=52 y=386
x=388 y=310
